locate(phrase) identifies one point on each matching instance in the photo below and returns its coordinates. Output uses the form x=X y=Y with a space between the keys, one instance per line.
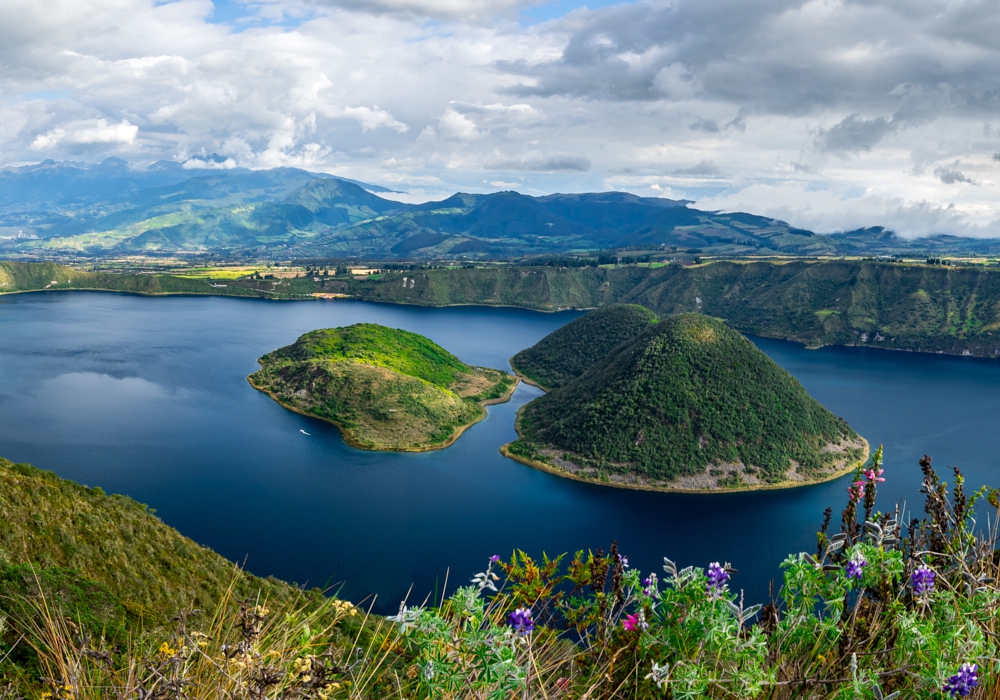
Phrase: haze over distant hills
x=112 y=208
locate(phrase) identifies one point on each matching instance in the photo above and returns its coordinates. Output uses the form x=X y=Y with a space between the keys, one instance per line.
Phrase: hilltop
x=386 y=389
x=568 y=352
x=688 y=404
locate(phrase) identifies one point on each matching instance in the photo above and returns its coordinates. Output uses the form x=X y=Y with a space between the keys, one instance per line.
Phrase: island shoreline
x=428 y=448
x=555 y=471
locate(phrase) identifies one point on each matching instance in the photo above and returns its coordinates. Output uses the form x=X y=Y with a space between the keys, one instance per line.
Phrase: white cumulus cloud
x=372 y=118
x=94 y=131
x=830 y=114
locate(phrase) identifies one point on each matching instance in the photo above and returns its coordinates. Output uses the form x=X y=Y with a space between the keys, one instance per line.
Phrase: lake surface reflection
x=148 y=397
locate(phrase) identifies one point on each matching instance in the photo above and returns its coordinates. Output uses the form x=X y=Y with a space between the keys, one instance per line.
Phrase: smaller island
x=385 y=388
x=680 y=404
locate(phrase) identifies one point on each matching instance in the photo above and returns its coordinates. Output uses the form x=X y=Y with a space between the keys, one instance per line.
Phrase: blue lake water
x=148 y=397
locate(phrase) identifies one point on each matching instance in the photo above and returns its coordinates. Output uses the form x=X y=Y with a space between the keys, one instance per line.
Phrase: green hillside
x=918 y=307
x=570 y=351
x=689 y=404
x=929 y=308
x=108 y=548
x=386 y=389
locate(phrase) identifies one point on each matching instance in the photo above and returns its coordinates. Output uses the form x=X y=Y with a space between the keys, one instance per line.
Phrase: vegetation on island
x=688 y=404
x=886 y=606
x=385 y=388
x=568 y=352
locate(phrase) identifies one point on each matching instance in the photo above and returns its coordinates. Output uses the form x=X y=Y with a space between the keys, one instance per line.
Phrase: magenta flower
x=873 y=475
x=856 y=490
x=634 y=622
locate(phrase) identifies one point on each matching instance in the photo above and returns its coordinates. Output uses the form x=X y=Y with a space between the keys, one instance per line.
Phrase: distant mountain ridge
x=113 y=208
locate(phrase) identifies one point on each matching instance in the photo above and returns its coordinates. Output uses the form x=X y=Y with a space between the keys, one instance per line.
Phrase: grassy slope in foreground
x=568 y=352
x=689 y=404
x=109 y=548
x=385 y=388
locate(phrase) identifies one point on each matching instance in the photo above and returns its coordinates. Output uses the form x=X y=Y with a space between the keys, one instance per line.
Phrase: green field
x=218 y=273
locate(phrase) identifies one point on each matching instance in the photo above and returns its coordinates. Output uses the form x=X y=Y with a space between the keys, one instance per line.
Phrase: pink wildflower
x=873 y=475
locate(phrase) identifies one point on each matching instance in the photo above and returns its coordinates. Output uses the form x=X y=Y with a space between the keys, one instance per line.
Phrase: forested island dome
x=385 y=388
x=688 y=404
x=568 y=352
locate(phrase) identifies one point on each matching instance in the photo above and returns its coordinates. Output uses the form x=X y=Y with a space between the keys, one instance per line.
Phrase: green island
x=385 y=388
x=688 y=405
x=566 y=353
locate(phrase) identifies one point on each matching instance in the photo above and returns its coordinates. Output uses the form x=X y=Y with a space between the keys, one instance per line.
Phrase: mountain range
x=60 y=210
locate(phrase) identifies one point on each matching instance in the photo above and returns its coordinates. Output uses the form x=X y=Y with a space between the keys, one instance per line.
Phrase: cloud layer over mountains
x=829 y=114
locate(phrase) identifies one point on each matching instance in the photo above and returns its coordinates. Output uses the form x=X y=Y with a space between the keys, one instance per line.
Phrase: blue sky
x=241 y=15
x=829 y=114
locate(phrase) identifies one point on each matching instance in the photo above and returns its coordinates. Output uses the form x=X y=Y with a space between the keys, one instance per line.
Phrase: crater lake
x=148 y=397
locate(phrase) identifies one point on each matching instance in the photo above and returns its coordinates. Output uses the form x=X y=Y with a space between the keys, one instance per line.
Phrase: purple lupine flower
x=717 y=577
x=623 y=560
x=855 y=564
x=521 y=621
x=962 y=683
x=650 y=585
x=495 y=558
x=922 y=580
